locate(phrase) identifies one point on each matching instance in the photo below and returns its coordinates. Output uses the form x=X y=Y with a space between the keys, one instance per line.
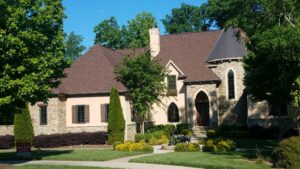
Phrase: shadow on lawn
x=11 y=158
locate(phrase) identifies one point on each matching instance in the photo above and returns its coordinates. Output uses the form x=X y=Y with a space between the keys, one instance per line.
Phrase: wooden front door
x=202 y=109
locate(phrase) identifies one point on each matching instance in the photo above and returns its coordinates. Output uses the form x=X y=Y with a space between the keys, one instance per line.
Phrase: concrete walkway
x=116 y=163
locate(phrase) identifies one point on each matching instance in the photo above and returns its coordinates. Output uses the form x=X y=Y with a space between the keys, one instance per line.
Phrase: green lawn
x=76 y=154
x=56 y=167
x=229 y=160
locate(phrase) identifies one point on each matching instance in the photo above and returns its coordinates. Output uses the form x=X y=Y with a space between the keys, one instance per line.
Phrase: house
x=205 y=87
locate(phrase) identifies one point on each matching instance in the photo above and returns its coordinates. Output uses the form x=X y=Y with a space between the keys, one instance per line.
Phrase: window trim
x=228 y=85
x=43 y=115
x=174 y=119
x=83 y=115
x=172 y=91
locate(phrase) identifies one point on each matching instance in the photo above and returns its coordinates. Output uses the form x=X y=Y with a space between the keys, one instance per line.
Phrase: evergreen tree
x=23 y=130
x=116 y=122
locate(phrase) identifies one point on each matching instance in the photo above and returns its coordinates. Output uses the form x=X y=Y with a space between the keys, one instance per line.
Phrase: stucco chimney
x=154 y=41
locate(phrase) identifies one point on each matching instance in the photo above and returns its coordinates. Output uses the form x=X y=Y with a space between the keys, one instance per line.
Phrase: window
x=278 y=109
x=104 y=113
x=80 y=114
x=173 y=113
x=43 y=115
x=231 y=90
x=172 y=88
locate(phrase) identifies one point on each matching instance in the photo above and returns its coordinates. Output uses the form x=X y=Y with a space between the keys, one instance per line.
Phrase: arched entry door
x=202 y=108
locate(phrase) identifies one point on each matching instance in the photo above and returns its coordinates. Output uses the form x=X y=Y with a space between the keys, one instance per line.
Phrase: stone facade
x=231 y=111
x=55 y=117
x=6 y=130
x=130 y=131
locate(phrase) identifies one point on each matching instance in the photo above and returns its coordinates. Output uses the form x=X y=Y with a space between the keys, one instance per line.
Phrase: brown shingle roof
x=93 y=73
x=189 y=51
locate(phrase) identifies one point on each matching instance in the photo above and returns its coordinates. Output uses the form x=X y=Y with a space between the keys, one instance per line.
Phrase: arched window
x=173 y=113
x=231 y=90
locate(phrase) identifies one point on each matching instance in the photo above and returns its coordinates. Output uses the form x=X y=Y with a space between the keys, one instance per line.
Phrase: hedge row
x=58 y=140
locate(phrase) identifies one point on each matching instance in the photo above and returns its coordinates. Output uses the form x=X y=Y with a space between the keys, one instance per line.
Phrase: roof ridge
x=186 y=33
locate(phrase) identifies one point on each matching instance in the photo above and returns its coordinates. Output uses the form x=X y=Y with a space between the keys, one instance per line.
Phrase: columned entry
x=202 y=109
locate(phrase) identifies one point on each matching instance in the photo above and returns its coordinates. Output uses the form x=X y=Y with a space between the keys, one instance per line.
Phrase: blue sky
x=84 y=15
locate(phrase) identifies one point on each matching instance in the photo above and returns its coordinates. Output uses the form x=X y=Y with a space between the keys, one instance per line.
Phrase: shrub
x=219 y=144
x=209 y=146
x=211 y=134
x=181 y=147
x=130 y=146
x=115 y=144
x=223 y=146
x=181 y=126
x=139 y=137
x=186 y=132
x=116 y=122
x=68 y=139
x=264 y=133
x=7 y=142
x=287 y=154
x=164 y=129
x=163 y=140
x=23 y=130
x=193 y=147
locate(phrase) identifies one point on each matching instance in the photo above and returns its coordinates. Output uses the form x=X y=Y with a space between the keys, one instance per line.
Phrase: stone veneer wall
x=234 y=110
x=6 y=130
x=192 y=91
x=131 y=131
x=55 y=117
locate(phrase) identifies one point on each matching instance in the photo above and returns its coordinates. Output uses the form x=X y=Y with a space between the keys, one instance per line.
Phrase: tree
x=116 y=122
x=108 y=34
x=272 y=63
x=31 y=50
x=144 y=79
x=23 y=130
x=74 y=48
x=136 y=34
x=138 y=30
x=187 y=18
x=296 y=101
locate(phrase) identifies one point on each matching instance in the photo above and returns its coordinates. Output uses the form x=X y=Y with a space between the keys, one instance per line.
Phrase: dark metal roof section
x=227 y=47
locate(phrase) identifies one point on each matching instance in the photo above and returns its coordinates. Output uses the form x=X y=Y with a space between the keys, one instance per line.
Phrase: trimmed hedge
x=7 y=141
x=23 y=130
x=287 y=154
x=131 y=146
x=116 y=122
x=58 y=140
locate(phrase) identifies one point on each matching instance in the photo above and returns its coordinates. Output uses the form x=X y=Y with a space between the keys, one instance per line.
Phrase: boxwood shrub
x=183 y=147
x=287 y=154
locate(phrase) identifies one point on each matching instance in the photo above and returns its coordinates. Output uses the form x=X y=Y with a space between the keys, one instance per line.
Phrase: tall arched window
x=231 y=90
x=173 y=113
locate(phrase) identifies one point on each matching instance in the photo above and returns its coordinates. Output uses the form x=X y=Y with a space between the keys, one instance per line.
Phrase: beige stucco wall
x=160 y=112
x=231 y=111
x=95 y=123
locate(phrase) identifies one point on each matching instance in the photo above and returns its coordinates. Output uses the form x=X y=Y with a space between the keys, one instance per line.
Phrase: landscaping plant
x=287 y=154
x=131 y=146
x=23 y=130
x=116 y=122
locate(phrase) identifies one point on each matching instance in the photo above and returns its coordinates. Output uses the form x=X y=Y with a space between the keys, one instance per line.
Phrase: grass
x=228 y=160
x=76 y=155
x=56 y=167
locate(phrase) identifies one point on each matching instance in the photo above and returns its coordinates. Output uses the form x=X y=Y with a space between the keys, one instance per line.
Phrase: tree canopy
x=134 y=35
x=74 y=48
x=144 y=79
x=187 y=18
x=273 y=60
x=31 y=50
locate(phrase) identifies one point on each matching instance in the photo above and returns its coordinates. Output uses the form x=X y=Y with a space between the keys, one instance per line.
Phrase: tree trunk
x=142 y=127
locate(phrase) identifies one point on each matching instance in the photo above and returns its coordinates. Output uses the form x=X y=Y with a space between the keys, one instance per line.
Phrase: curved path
x=116 y=163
